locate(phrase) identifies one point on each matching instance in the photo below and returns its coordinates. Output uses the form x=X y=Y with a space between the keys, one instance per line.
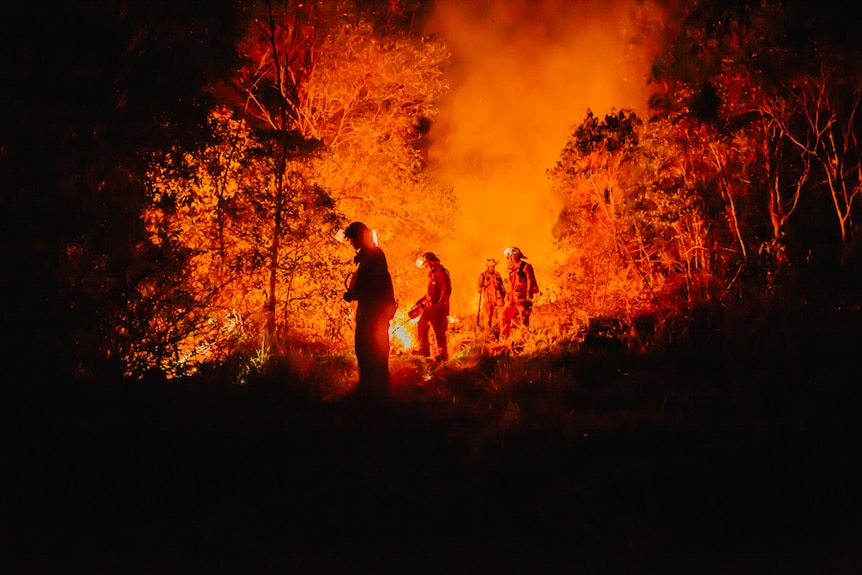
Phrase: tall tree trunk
x=275 y=246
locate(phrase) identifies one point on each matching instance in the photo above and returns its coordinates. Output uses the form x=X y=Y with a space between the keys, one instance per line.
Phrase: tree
x=373 y=116
x=324 y=127
x=632 y=222
x=778 y=84
x=97 y=87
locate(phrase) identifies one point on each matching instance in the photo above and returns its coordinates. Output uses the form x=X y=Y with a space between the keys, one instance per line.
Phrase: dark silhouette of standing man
x=371 y=287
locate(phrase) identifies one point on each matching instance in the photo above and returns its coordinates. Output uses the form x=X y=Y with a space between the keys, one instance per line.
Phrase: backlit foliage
x=371 y=101
x=327 y=129
x=632 y=231
x=779 y=92
x=746 y=171
x=216 y=208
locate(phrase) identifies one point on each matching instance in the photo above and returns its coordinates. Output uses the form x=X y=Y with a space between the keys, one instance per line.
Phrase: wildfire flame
x=402 y=333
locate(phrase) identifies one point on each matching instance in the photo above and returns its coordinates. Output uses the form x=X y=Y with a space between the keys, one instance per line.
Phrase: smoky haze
x=522 y=74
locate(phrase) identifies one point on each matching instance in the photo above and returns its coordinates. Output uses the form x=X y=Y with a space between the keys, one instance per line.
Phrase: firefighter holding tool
x=434 y=307
x=491 y=298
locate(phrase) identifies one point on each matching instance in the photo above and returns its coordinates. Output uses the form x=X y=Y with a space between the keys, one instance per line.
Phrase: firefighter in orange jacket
x=435 y=307
x=491 y=297
x=521 y=286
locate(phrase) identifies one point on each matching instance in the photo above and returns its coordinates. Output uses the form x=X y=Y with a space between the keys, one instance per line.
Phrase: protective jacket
x=521 y=283
x=490 y=287
x=439 y=289
x=435 y=312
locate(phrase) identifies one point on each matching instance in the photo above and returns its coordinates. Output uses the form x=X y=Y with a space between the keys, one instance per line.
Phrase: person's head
x=359 y=235
x=514 y=254
x=429 y=259
x=491 y=263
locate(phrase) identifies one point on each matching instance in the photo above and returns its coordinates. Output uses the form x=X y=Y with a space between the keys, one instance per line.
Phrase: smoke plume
x=523 y=73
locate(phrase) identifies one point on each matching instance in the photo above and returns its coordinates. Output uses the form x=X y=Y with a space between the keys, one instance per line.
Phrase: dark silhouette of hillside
x=720 y=459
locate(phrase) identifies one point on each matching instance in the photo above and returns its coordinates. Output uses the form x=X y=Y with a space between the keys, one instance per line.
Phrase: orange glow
x=402 y=332
x=522 y=74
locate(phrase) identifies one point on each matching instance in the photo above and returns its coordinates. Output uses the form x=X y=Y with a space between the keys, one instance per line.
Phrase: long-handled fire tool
x=414 y=312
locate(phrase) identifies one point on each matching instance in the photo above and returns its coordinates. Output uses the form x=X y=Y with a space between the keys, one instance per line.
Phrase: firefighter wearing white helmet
x=435 y=307
x=521 y=286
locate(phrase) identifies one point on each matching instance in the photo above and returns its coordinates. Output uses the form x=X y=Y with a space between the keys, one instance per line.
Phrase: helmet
x=355 y=230
x=427 y=257
x=514 y=252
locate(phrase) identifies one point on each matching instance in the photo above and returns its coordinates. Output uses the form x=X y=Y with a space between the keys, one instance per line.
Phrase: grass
x=729 y=452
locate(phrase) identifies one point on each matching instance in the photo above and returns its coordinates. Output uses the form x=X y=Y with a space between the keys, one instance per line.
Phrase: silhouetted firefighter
x=521 y=286
x=491 y=297
x=435 y=307
x=371 y=287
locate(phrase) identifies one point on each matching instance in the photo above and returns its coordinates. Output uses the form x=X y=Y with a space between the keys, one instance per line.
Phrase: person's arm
x=447 y=287
x=350 y=286
x=532 y=285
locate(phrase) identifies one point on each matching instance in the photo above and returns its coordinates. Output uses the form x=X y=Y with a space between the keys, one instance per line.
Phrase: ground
x=752 y=469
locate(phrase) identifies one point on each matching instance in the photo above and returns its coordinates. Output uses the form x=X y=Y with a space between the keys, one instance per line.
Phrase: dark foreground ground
x=154 y=478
